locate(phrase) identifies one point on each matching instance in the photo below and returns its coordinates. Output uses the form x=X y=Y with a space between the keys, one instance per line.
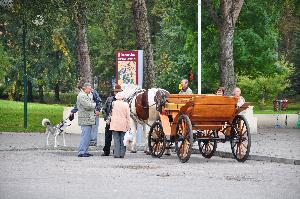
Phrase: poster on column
x=127 y=67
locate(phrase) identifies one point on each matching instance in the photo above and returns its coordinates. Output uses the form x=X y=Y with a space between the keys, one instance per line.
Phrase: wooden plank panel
x=215 y=99
x=213 y=113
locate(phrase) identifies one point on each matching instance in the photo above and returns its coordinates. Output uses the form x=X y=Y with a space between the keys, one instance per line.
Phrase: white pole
x=199 y=46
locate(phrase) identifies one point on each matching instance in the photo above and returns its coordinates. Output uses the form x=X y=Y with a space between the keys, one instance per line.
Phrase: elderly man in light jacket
x=86 y=118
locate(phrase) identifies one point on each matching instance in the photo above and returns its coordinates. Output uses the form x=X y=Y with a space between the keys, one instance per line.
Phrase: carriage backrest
x=214 y=108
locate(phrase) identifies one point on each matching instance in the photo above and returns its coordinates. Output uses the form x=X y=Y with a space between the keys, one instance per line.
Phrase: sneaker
x=89 y=154
x=83 y=155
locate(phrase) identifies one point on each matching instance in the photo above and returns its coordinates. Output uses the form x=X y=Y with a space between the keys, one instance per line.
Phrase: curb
x=221 y=154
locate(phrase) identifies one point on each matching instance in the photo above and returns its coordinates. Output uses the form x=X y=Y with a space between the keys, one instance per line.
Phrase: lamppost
x=199 y=47
x=24 y=66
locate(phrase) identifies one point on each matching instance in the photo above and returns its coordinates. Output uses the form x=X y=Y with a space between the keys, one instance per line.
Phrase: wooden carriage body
x=206 y=112
x=189 y=118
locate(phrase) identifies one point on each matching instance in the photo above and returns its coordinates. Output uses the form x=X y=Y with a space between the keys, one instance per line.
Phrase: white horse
x=152 y=100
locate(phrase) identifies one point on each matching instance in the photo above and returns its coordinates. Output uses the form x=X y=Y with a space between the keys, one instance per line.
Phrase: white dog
x=55 y=130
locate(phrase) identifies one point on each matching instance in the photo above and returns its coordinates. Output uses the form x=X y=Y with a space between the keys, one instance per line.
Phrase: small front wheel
x=208 y=145
x=184 y=138
x=156 y=140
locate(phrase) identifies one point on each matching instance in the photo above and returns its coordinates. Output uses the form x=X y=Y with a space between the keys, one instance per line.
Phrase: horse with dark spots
x=145 y=106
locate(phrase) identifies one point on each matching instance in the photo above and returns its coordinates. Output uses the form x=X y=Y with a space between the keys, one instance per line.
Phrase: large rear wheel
x=240 y=138
x=184 y=138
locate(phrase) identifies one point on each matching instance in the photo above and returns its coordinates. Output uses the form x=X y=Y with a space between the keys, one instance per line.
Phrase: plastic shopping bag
x=128 y=138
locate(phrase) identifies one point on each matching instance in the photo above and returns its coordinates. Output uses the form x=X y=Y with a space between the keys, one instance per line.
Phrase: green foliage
x=175 y=44
x=4 y=63
x=68 y=99
x=110 y=30
x=295 y=57
x=263 y=89
x=266 y=33
x=256 y=39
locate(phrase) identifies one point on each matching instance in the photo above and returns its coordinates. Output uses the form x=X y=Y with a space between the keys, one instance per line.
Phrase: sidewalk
x=275 y=145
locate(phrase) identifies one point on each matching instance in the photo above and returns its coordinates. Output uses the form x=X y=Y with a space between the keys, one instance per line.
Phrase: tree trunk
x=30 y=96
x=83 y=57
x=228 y=79
x=56 y=91
x=41 y=93
x=230 y=10
x=144 y=41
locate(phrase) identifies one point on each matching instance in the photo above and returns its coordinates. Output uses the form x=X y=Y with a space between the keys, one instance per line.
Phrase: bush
x=262 y=89
x=64 y=98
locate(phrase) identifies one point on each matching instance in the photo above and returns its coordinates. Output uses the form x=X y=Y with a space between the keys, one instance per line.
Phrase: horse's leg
x=168 y=151
x=146 y=130
x=133 y=128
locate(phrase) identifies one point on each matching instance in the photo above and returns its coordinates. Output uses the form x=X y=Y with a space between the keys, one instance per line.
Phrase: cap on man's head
x=117 y=88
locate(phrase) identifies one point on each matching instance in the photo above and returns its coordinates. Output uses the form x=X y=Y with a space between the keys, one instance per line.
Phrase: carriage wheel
x=156 y=140
x=184 y=138
x=208 y=147
x=240 y=140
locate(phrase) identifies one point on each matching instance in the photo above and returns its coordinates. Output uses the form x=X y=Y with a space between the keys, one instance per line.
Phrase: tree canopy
x=266 y=44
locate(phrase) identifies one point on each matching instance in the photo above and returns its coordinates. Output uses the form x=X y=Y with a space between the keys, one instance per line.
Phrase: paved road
x=278 y=143
x=58 y=174
x=31 y=170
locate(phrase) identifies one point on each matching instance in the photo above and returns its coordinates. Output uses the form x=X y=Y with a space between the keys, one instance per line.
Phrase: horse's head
x=160 y=98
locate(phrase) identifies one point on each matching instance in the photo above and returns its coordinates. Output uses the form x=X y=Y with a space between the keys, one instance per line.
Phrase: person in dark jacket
x=107 y=108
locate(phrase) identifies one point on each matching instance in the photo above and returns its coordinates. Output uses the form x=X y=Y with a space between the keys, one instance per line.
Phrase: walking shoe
x=83 y=155
x=89 y=154
x=104 y=154
x=93 y=143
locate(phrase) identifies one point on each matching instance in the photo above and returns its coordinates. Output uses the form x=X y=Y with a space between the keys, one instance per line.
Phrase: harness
x=129 y=101
x=158 y=105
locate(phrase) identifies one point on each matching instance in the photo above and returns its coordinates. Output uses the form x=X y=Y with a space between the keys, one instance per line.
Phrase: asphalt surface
x=59 y=174
x=29 y=169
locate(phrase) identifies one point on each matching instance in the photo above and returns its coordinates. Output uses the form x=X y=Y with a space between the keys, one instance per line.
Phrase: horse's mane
x=129 y=89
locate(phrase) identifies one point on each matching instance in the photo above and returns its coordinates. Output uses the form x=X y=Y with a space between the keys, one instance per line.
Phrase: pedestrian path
x=278 y=145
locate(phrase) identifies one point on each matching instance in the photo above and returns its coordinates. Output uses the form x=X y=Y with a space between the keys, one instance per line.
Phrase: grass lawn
x=293 y=108
x=12 y=116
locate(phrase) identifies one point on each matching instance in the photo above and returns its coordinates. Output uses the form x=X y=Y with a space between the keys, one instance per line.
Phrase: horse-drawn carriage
x=206 y=119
